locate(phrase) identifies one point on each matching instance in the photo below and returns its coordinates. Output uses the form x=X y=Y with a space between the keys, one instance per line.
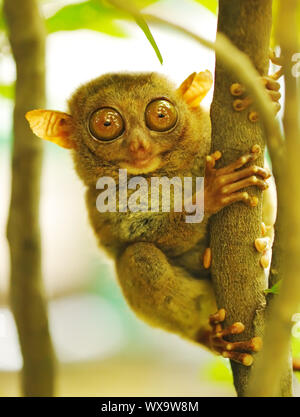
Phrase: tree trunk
x=238 y=278
x=27 y=38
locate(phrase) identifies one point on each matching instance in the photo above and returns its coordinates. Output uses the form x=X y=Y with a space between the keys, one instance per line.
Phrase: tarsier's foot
x=237 y=351
x=263 y=245
x=272 y=86
x=223 y=186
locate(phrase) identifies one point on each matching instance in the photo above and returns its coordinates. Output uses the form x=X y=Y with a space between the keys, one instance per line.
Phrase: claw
x=277 y=74
x=276 y=107
x=263 y=229
x=242 y=104
x=262 y=243
x=235 y=328
x=237 y=89
x=264 y=261
x=253 y=201
x=218 y=317
x=253 y=116
x=256 y=149
x=276 y=60
x=254 y=345
x=207 y=258
x=211 y=160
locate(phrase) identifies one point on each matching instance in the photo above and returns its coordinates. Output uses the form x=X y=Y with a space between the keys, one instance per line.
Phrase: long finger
x=243 y=160
x=252 y=345
x=242 y=196
x=247 y=182
x=246 y=172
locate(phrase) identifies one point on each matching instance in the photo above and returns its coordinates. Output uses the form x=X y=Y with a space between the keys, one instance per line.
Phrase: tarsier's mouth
x=142 y=165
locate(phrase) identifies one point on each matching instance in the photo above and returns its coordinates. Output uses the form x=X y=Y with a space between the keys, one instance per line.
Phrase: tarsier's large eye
x=106 y=124
x=161 y=115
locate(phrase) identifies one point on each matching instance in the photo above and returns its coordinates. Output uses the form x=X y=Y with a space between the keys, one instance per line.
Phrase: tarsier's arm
x=158 y=287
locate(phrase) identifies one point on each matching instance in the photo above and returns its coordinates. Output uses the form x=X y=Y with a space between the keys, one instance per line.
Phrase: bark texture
x=27 y=39
x=238 y=278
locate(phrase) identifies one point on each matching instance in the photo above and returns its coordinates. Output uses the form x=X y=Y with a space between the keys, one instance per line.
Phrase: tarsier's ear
x=195 y=87
x=51 y=125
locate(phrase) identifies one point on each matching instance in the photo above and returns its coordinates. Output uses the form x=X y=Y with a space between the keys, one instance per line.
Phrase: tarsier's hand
x=237 y=351
x=223 y=186
x=270 y=82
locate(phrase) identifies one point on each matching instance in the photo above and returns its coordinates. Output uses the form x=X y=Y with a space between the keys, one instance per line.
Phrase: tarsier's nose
x=139 y=148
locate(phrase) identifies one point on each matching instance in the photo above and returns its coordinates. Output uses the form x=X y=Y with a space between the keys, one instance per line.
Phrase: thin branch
x=272 y=359
x=27 y=39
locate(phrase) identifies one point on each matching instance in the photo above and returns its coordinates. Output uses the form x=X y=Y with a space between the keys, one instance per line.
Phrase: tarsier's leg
x=167 y=296
x=162 y=294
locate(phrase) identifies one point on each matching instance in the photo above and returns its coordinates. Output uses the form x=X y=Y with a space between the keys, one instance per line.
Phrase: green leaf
x=98 y=15
x=274 y=289
x=145 y=28
x=93 y=15
x=131 y=8
x=7 y=91
x=211 y=5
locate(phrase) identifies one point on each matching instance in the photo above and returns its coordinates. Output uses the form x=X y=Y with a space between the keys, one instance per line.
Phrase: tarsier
x=142 y=123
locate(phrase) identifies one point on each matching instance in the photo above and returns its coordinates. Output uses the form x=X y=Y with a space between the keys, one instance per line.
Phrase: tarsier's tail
x=296 y=364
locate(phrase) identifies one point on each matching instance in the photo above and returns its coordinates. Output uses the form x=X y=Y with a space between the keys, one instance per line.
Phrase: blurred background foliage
x=97 y=15
x=103 y=349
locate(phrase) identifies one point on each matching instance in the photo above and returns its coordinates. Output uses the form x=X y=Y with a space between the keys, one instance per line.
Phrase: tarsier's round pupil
x=106 y=124
x=160 y=115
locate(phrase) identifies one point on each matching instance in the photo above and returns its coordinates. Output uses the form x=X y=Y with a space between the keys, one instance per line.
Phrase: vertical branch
x=272 y=362
x=27 y=38
x=237 y=63
x=238 y=278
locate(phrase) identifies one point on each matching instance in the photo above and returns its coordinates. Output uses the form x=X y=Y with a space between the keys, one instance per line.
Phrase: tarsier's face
x=139 y=122
x=141 y=142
